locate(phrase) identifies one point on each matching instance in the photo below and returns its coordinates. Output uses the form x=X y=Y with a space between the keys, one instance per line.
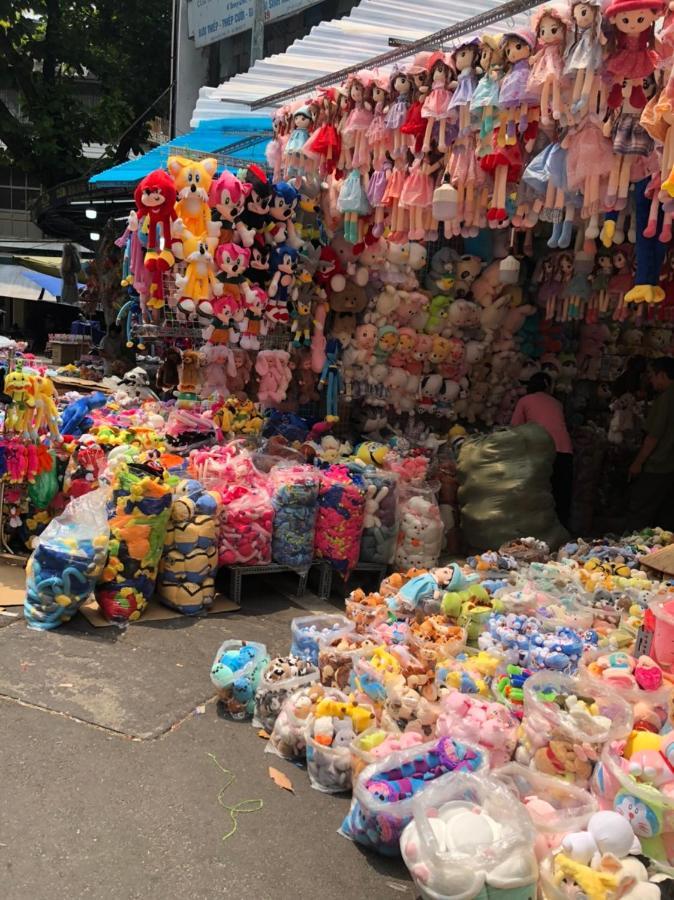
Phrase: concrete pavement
x=108 y=791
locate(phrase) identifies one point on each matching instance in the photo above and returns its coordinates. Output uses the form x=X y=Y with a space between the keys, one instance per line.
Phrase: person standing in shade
x=540 y=407
x=651 y=474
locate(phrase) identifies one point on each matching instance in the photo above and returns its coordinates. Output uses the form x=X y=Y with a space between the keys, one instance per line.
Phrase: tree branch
x=20 y=67
x=14 y=134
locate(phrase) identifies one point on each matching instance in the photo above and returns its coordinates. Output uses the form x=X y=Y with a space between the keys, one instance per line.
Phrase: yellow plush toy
x=198 y=285
x=193 y=180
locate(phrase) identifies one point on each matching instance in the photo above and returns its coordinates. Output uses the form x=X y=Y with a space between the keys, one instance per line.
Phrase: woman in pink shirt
x=540 y=407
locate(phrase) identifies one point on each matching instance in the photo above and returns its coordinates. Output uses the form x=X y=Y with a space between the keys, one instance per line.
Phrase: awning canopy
x=19 y=283
x=210 y=137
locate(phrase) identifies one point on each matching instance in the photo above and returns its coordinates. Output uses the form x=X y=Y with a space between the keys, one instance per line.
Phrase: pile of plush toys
x=512 y=754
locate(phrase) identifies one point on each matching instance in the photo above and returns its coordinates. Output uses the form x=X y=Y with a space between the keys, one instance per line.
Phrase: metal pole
x=257 y=32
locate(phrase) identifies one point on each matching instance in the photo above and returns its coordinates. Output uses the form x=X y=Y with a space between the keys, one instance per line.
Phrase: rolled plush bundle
x=295 y=501
x=138 y=514
x=246 y=516
x=339 y=525
x=187 y=569
x=504 y=491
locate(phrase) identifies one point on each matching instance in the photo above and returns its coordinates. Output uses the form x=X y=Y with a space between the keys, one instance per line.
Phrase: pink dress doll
x=547 y=64
x=359 y=119
x=391 y=199
x=514 y=94
x=417 y=193
x=631 y=53
x=589 y=159
x=378 y=135
x=436 y=105
x=400 y=89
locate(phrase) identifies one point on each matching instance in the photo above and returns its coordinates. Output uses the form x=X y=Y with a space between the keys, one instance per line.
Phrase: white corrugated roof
x=333 y=45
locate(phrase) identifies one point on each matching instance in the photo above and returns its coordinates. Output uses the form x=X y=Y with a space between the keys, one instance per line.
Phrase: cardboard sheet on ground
x=155 y=612
x=12 y=584
x=661 y=561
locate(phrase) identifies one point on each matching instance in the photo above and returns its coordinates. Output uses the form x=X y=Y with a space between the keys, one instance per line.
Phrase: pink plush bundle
x=221 y=466
x=339 y=524
x=246 y=516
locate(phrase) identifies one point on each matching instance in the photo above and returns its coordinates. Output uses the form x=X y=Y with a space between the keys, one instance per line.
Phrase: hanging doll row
x=558 y=123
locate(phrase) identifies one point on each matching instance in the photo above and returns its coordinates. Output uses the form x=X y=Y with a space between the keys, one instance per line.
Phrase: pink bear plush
x=273 y=367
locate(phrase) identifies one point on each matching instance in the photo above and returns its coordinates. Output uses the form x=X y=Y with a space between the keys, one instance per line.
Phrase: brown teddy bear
x=190 y=378
x=560 y=758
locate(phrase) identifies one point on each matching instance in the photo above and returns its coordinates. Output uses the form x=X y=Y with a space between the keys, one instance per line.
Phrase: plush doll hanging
x=282 y=266
x=650 y=253
x=436 y=105
x=485 y=98
x=631 y=49
x=155 y=198
x=514 y=94
x=585 y=51
x=545 y=78
x=193 y=180
x=294 y=157
x=400 y=89
x=466 y=58
x=324 y=143
x=377 y=136
x=227 y=197
x=414 y=125
x=256 y=204
x=359 y=119
x=630 y=141
x=285 y=198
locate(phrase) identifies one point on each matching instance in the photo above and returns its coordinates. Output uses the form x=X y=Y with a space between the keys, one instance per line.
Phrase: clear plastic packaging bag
x=421 y=529
x=339 y=523
x=365 y=610
x=567 y=721
x=469 y=838
x=307 y=631
x=283 y=676
x=236 y=672
x=336 y=657
x=380 y=525
x=289 y=736
x=378 y=742
x=186 y=580
x=555 y=806
x=330 y=733
x=294 y=496
x=384 y=792
x=67 y=562
x=481 y=722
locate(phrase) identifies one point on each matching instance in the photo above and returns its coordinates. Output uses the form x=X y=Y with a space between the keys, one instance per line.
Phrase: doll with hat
x=435 y=107
x=414 y=125
x=550 y=24
x=294 y=150
x=631 y=49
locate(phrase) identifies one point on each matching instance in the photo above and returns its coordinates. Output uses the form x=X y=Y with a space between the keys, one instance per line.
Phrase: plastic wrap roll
x=504 y=488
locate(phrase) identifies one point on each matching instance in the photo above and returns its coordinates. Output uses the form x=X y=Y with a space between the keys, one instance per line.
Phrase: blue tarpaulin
x=210 y=137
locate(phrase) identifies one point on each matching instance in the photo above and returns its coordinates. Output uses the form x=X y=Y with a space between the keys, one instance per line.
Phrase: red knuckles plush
x=155 y=197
